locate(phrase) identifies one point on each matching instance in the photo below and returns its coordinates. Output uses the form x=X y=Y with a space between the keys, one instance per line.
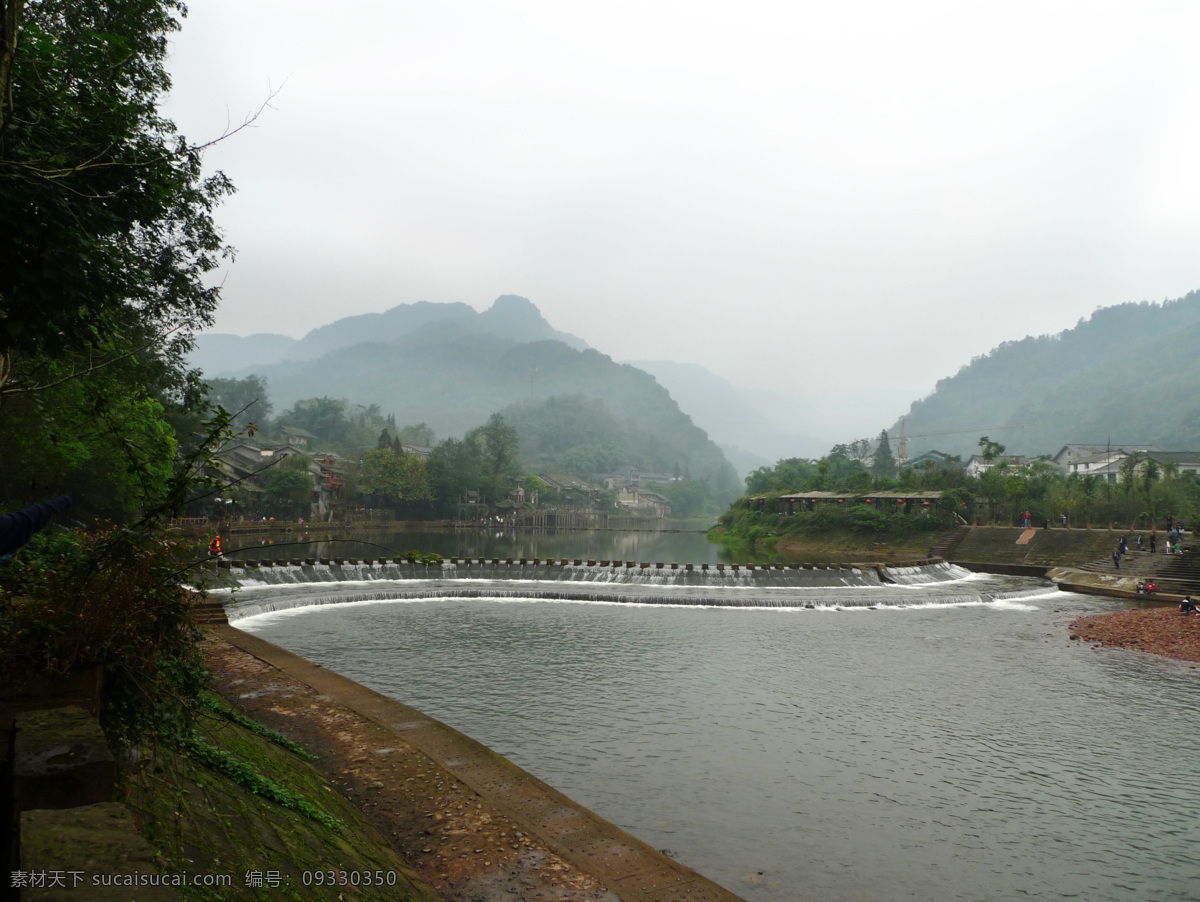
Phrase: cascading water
x=259 y=590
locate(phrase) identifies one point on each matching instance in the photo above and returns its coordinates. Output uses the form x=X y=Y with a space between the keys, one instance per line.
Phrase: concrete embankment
x=473 y=824
x=1078 y=560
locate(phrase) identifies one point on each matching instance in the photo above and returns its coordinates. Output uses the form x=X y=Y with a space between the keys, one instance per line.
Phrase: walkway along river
x=938 y=737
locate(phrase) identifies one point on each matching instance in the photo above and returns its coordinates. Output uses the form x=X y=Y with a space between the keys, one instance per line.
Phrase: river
x=889 y=742
x=684 y=546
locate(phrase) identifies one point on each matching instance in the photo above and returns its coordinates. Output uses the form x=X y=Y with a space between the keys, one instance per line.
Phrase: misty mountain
x=222 y=354
x=510 y=317
x=453 y=376
x=753 y=427
x=1129 y=374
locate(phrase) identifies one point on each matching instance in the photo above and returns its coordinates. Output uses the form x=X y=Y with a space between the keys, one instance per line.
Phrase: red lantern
x=869 y=501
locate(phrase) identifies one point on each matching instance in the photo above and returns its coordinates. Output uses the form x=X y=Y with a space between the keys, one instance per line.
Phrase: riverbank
x=832 y=547
x=472 y=825
x=1158 y=631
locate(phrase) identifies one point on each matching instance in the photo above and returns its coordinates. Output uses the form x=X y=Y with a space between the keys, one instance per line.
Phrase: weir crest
x=251 y=590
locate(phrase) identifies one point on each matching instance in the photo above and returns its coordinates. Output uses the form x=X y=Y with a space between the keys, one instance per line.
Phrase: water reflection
x=682 y=547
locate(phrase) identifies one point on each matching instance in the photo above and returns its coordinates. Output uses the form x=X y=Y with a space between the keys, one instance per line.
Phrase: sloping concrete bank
x=1060 y=555
x=472 y=823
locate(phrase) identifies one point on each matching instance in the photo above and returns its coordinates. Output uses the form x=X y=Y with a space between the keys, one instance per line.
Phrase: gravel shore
x=1159 y=631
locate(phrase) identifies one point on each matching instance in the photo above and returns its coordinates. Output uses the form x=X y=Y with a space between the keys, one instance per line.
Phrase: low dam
x=252 y=590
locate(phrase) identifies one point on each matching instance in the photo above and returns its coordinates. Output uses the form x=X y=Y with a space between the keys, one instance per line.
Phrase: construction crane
x=902 y=456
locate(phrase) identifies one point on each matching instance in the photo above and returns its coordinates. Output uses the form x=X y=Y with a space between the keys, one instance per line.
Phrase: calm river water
x=687 y=547
x=937 y=751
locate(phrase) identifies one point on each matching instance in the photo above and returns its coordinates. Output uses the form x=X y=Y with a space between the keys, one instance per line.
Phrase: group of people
x=1171 y=546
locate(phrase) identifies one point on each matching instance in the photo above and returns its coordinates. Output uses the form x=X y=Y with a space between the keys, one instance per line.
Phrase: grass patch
x=236 y=802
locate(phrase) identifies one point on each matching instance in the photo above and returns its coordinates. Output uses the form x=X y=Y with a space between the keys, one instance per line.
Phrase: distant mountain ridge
x=510 y=316
x=1128 y=374
x=451 y=368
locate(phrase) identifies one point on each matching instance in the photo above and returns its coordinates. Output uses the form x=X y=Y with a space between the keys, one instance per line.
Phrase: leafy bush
x=111 y=598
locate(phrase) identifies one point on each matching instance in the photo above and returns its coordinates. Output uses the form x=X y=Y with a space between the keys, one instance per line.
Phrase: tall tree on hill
x=883 y=463
x=499 y=449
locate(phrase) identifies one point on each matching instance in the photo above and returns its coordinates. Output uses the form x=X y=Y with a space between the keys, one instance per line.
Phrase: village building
x=977 y=465
x=1108 y=463
x=643 y=502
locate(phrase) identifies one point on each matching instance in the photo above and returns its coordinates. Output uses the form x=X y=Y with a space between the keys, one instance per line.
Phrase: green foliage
x=243 y=774
x=338 y=425
x=486 y=460
x=110 y=598
x=106 y=237
x=759 y=526
x=394 y=479
x=1088 y=384
x=288 y=491
x=431 y=559
x=105 y=225
x=990 y=450
x=574 y=435
x=214 y=704
x=105 y=442
x=453 y=378
x=246 y=399
x=792 y=474
x=689 y=497
x=498 y=449
x=883 y=463
x=420 y=435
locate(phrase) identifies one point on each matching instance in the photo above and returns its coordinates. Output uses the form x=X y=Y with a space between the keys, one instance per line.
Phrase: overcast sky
x=845 y=200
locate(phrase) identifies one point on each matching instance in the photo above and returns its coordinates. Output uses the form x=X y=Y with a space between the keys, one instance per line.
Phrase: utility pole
x=902 y=456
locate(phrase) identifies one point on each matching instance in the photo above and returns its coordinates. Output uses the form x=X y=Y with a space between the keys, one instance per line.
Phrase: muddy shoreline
x=1158 y=631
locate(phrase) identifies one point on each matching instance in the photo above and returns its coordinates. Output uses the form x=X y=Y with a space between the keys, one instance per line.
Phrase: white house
x=977 y=465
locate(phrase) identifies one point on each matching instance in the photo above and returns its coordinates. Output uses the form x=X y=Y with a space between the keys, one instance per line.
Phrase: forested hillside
x=454 y=379
x=1128 y=374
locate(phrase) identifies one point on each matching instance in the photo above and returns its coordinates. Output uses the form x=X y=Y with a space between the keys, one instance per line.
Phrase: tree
x=792 y=474
x=288 y=491
x=1128 y=470
x=245 y=398
x=498 y=448
x=106 y=236
x=1150 y=472
x=394 y=478
x=420 y=434
x=990 y=450
x=882 y=462
x=111 y=265
x=688 y=497
x=91 y=436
